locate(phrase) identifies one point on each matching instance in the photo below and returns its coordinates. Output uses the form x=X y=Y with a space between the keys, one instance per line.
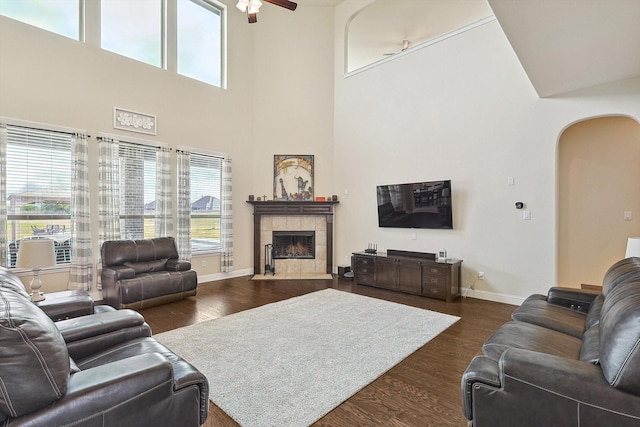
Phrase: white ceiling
x=567 y=45
x=563 y=45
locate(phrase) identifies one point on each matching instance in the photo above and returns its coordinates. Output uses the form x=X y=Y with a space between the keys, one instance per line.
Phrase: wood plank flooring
x=423 y=390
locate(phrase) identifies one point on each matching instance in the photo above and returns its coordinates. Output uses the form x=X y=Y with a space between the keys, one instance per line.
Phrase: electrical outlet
x=204 y=263
x=480 y=275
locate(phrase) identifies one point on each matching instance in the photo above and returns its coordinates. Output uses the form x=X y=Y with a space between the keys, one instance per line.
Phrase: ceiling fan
x=251 y=7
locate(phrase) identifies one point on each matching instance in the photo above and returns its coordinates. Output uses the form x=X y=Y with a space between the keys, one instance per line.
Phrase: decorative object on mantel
x=292 y=177
x=321 y=199
x=133 y=121
x=372 y=248
x=334 y=198
x=251 y=197
x=259 y=198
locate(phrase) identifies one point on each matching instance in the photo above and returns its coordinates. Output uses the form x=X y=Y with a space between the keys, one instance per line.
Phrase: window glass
x=60 y=16
x=205 y=173
x=38 y=174
x=137 y=191
x=133 y=29
x=199 y=41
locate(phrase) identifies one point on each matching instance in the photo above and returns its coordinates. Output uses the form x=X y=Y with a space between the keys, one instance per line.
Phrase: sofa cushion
x=34 y=362
x=117 y=252
x=623 y=271
x=153 y=285
x=536 y=310
x=147 y=266
x=516 y=334
x=620 y=337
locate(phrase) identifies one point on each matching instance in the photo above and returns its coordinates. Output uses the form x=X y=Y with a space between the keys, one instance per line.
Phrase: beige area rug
x=292 y=276
x=289 y=363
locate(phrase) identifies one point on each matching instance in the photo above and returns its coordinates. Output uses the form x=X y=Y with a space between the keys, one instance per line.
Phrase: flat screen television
x=415 y=205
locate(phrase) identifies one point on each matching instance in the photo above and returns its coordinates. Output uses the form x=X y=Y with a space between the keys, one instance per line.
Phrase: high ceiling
x=567 y=45
x=563 y=45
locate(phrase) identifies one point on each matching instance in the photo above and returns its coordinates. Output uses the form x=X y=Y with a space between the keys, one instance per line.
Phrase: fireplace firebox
x=294 y=244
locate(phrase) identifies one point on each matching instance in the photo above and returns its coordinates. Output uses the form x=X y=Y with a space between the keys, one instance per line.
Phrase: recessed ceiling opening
x=386 y=28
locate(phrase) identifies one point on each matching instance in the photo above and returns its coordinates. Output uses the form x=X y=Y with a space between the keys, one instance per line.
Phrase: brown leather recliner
x=96 y=370
x=568 y=359
x=143 y=273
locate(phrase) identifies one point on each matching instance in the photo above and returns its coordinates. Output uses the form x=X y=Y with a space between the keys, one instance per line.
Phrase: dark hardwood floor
x=422 y=390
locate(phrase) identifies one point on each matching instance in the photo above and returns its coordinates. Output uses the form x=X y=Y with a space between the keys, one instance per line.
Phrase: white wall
x=279 y=99
x=462 y=109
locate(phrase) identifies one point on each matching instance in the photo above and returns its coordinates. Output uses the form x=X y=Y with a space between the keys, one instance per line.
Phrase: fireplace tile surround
x=272 y=216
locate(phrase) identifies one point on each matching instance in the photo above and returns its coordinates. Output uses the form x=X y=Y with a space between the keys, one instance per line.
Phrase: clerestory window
x=185 y=36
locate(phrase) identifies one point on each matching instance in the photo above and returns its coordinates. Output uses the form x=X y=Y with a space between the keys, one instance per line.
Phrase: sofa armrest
x=118 y=272
x=575 y=299
x=480 y=370
x=540 y=389
x=177 y=265
x=105 y=391
x=90 y=334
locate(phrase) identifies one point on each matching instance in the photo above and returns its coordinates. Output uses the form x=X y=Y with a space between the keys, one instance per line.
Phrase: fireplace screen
x=294 y=244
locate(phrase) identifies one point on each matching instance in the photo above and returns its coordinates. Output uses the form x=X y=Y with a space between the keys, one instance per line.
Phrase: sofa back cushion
x=34 y=361
x=620 y=337
x=118 y=252
x=625 y=270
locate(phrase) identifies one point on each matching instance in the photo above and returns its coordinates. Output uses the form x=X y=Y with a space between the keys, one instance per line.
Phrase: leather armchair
x=101 y=369
x=143 y=273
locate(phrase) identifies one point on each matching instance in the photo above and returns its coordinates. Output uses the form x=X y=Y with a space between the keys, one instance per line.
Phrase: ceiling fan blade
x=253 y=18
x=284 y=3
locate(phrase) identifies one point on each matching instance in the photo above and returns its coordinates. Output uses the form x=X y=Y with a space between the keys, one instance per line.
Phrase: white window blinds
x=38 y=179
x=205 y=178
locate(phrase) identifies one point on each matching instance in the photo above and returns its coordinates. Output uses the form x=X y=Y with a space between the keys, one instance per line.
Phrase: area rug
x=291 y=362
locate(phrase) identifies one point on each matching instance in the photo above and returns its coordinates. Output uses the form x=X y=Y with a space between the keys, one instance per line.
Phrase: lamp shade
x=633 y=247
x=36 y=253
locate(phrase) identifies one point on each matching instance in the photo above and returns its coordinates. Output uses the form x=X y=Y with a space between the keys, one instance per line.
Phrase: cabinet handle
x=434 y=270
x=434 y=280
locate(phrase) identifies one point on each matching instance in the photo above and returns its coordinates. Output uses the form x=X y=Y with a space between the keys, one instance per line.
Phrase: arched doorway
x=598 y=181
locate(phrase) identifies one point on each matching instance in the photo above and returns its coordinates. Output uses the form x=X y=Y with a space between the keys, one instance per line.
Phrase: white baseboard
x=222 y=276
x=492 y=296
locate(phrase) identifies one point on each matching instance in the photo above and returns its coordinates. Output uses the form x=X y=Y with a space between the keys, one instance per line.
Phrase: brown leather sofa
x=96 y=370
x=571 y=358
x=142 y=273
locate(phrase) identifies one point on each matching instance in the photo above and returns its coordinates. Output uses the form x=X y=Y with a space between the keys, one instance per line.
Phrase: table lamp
x=36 y=254
x=633 y=247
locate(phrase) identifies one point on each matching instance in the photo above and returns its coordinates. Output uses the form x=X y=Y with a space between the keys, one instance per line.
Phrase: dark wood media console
x=411 y=272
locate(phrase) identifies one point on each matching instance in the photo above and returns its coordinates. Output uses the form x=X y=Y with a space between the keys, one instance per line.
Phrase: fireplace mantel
x=284 y=208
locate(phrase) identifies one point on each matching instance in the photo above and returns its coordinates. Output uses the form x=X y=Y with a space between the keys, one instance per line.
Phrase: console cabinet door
x=410 y=276
x=386 y=273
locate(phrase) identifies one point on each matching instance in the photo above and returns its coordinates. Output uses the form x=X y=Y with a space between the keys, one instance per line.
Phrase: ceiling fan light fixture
x=242 y=5
x=254 y=6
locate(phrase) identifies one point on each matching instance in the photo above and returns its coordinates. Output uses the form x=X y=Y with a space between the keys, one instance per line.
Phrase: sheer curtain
x=80 y=276
x=3 y=195
x=183 y=232
x=226 y=219
x=108 y=194
x=164 y=207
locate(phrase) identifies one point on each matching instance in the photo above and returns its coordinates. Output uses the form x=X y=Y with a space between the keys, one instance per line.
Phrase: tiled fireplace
x=297 y=225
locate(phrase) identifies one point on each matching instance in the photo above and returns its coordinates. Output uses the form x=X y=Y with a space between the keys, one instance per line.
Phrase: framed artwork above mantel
x=293 y=177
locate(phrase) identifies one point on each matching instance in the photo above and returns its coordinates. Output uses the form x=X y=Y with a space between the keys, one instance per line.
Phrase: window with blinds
x=137 y=190
x=205 y=175
x=38 y=177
